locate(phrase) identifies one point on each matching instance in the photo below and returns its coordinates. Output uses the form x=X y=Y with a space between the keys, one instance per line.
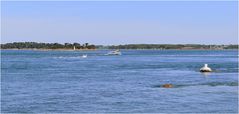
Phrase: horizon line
x=122 y=44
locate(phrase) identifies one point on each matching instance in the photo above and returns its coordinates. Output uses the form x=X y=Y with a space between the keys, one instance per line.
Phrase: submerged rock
x=167 y=86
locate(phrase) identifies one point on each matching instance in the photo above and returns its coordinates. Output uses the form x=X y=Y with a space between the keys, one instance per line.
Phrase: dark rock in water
x=167 y=86
x=205 y=71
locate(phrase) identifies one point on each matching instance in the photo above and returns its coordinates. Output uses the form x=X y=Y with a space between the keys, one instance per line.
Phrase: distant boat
x=74 y=48
x=84 y=56
x=115 y=52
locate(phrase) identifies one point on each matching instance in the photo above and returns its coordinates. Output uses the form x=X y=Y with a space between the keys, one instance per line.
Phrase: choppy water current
x=63 y=81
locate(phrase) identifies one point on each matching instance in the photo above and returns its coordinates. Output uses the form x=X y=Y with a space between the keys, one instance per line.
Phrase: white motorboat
x=115 y=52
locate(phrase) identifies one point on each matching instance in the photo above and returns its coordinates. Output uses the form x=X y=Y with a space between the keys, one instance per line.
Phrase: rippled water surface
x=63 y=81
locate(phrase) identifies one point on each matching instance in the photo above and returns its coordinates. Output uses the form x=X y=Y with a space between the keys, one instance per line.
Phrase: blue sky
x=107 y=23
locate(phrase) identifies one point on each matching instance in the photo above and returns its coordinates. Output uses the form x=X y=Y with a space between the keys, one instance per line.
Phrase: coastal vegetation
x=35 y=45
x=70 y=46
x=173 y=46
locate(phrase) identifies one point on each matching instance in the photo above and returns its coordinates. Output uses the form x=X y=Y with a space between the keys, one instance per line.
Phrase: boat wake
x=67 y=57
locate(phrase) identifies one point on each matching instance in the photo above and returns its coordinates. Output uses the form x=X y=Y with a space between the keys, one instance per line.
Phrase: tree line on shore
x=35 y=45
x=173 y=46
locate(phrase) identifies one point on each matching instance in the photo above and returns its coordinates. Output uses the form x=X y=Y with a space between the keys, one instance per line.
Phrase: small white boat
x=84 y=56
x=115 y=52
x=205 y=69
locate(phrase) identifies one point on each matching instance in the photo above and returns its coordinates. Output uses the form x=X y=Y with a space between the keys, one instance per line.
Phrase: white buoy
x=205 y=69
x=84 y=56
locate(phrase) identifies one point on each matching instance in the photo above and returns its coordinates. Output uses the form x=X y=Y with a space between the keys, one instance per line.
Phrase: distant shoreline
x=109 y=49
x=86 y=46
x=50 y=49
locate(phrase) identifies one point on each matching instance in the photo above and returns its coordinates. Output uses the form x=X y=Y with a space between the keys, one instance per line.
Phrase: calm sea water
x=62 y=81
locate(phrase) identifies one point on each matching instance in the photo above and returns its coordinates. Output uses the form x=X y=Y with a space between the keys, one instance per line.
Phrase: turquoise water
x=62 y=81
